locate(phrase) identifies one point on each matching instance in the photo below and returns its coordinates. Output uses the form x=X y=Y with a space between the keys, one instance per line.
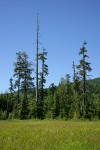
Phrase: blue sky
x=64 y=25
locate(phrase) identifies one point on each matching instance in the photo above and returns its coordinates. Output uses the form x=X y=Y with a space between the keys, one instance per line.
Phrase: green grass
x=49 y=135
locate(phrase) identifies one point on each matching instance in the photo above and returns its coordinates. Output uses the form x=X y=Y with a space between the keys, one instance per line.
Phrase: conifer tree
x=24 y=81
x=69 y=98
x=84 y=68
x=18 y=74
x=11 y=95
x=76 y=91
x=56 y=106
x=26 y=72
x=26 y=84
x=11 y=88
x=43 y=74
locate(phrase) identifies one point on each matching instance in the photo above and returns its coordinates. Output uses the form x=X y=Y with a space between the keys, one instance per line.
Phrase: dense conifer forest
x=75 y=99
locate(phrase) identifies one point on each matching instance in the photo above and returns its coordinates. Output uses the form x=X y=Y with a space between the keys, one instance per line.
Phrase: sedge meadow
x=49 y=135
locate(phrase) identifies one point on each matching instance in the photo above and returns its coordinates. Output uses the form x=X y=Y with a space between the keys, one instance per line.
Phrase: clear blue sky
x=64 y=25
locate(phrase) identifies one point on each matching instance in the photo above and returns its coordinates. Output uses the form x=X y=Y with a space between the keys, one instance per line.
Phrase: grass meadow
x=49 y=135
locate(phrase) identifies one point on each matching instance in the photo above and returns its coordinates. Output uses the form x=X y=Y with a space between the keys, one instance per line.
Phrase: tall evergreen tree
x=43 y=74
x=11 y=95
x=26 y=79
x=18 y=73
x=84 y=68
x=18 y=65
x=24 y=82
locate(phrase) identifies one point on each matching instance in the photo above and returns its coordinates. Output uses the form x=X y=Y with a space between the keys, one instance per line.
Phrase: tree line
x=26 y=100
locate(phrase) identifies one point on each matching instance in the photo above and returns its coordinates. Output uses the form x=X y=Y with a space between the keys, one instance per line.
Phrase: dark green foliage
x=84 y=68
x=3 y=102
x=42 y=81
x=59 y=102
x=56 y=106
x=11 y=88
x=26 y=79
x=3 y=115
x=24 y=112
x=48 y=101
x=6 y=105
x=24 y=83
x=63 y=100
x=32 y=107
x=68 y=100
x=18 y=74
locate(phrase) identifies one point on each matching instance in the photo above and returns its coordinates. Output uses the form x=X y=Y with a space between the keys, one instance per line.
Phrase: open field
x=49 y=135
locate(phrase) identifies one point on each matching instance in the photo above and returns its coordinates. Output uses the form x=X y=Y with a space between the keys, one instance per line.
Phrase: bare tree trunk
x=37 y=61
